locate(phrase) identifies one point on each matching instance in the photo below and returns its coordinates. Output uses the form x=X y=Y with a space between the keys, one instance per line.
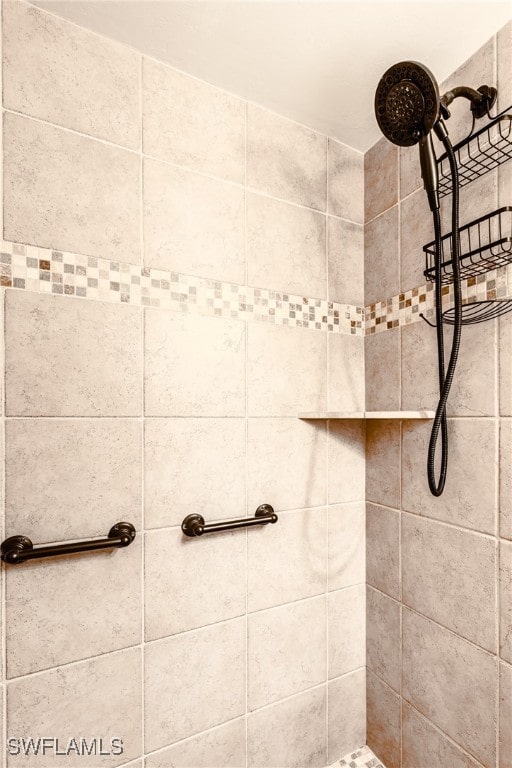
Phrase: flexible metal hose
x=445 y=382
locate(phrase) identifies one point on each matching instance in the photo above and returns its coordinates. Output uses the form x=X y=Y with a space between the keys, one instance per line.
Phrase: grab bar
x=17 y=549
x=194 y=524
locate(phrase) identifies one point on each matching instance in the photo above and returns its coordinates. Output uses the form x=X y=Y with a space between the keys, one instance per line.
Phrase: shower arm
x=482 y=99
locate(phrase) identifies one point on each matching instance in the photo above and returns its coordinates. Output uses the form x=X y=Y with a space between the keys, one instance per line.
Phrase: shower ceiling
x=315 y=62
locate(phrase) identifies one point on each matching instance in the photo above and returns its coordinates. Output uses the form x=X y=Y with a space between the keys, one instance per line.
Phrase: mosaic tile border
x=360 y=758
x=43 y=270
x=406 y=308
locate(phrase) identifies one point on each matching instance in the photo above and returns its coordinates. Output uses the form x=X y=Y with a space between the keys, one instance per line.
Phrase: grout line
x=327 y=400
x=425 y=518
x=246 y=445
x=143 y=432
x=415 y=611
x=434 y=726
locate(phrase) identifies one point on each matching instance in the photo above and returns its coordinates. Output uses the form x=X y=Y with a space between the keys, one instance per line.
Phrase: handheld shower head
x=407 y=107
x=407 y=103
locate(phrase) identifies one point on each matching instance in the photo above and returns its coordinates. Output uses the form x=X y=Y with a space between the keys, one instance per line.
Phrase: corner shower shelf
x=479 y=153
x=342 y=415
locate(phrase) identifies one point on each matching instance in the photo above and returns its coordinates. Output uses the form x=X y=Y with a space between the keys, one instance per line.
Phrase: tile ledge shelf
x=421 y=415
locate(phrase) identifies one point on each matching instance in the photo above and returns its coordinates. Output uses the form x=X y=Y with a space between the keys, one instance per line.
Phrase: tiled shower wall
x=439 y=603
x=141 y=209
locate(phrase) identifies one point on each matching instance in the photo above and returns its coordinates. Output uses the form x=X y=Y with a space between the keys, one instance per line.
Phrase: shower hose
x=445 y=381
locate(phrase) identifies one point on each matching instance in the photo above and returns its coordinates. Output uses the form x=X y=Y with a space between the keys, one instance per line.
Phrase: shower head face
x=407 y=103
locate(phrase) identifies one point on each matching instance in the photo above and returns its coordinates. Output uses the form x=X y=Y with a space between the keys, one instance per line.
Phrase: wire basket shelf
x=478 y=153
x=479 y=311
x=486 y=244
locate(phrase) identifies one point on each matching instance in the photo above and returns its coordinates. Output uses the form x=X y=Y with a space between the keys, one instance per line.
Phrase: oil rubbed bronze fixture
x=17 y=549
x=194 y=525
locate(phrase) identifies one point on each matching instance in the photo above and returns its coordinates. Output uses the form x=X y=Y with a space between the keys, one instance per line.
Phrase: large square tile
x=45 y=206
x=346 y=545
x=285 y=159
x=205 y=576
x=192 y=123
x=48 y=625
x=64 y=74
x=185 y=671
x=70 y=357
x=346 y=620
x=286 y=650
x=57 y=468
x=194 y=366
x=172 y=490
x=95 y=699
x=192 y=224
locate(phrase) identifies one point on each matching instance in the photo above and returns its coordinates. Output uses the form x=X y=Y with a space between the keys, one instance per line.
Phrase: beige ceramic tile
x=286 y=370
x=505 y=372
x=473 y=392
x=99 y=698
x=383 y=721
x=192 y=224
x=381 y=257
x=290 y=734
x=382 y=371
x=64 y=74
x=68 y=192
x=346 y=373
x=423 y=744
x=505 y=732
x=56 y=469
x=286 y=650
x=209 y=446
x=285 y=247
x=286 y=464
x=477 y=70
x=506 y=478
x=70 y=357
x=222 y=747
x=194 y=366
x=504 y=65
x=191 y=123
x=383 y=637
x=410 y=171
x=346 y=620
x=469 y=497
x=506 y=601
x=346 y=545
x=449 y=575
x=383 y=462
x=206 y=578
x=185 y=671
x=380 y=178
x=476 y=199
x=347 y=723
x=416 y=230
x=346 y=182
x=452 y=682
x=346 y=461
x=49 y=625
x=302 y=535
x=345 y=261
x=383 y=549
x=285 y=159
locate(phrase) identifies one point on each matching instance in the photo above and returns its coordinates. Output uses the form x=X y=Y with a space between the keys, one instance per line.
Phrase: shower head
x=407 y=103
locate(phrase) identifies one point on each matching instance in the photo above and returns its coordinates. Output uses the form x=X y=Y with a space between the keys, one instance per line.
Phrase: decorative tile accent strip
x=406 y=308
x=360 y=758
x=43 y=270
x=31 y=268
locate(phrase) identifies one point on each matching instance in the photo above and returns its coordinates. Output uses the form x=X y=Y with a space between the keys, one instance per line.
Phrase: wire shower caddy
x=486 y=242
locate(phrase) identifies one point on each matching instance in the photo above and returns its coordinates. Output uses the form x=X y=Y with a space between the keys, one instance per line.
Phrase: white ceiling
x=315 y=62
